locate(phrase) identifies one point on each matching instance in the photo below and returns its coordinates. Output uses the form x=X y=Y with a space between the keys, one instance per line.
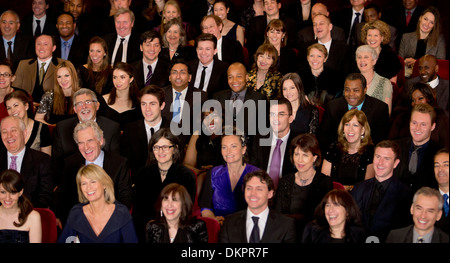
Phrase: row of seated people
x=136 y=136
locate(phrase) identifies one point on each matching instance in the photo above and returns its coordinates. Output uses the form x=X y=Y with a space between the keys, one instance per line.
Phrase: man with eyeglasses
x=85 y=105
x=15 y=46
x=271 y=151
x=89 y=138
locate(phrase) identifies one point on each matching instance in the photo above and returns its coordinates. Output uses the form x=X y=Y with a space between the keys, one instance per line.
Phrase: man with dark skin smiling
x=355 y=97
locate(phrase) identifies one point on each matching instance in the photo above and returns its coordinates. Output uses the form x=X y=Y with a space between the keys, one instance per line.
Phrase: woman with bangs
x=230 y=29
x=264 y=76
x=337 y=220
x=175 y=223
x=19 y=223
x=56 y=105
x=349 y=160
x=175 y=43
x=276 y=35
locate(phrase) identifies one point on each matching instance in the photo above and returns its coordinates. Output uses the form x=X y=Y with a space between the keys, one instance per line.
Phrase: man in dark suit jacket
x=150 y=46
x=441 y=173
x=214 y=78
x=228 y=49
x=244 y=116
x=417 y=172
x=384 y=201
x=397 y=17
x=376 y=111
x=258 y=24
x=267 y=225
x=125 y=34
x=346 y=19
x=136 y=135
x=22 y=47
x=28 y=71
x=47 y=20
x=264 y=146
x=77 y=47
x=85 y=106
x=423 y=230
x=428 y=73
x=89 y=138
x=35 y=166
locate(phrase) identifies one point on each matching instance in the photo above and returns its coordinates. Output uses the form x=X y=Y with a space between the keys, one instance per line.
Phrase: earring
x=162 y=214
x=362 y=136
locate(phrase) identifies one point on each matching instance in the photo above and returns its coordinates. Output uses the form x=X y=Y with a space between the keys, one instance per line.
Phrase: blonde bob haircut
x=95 y=172
x=362 y=120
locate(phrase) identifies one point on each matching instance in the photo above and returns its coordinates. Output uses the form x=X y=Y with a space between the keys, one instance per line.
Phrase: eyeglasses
x=165 y=148
x=5 y=75
x=86 y=102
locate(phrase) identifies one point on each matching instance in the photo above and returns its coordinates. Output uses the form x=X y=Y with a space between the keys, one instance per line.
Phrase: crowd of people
x=148 y=121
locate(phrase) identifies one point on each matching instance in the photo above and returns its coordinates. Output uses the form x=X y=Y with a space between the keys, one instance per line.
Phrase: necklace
x=304 y=181
x=163 y=171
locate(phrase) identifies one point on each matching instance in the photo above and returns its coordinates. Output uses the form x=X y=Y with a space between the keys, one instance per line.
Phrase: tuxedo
x=132 y=51
x=49 y=28
x=27 y=76
x=37 y=174
x=279 y=228
x=376 y=111
x=160 y=75
x=405 y=235
x=23 y=48
x=78 y=51
x=64 y=145
x=114 y=165
x=134 y=144
x=392 y=212
x=218 y=79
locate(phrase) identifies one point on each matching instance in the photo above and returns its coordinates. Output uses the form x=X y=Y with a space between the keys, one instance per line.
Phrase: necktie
x=377 y=195
x=413 y=160
x=202 y=79
x=41 y=72
x=446 y=205
x=275 y=164
x=236 y=106
x=408 y=17
x=152 y=131
x=354 y=108
x=13 y=164
x=9 y=53
x=66 y=50
x=119 y=53
x=420 y=240
x=176 y=108
x=149 y=75
x=254 y=236
x=351 y=35
x=37 y=32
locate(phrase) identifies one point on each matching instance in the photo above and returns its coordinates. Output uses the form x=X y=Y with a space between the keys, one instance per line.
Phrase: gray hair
x=84 y=125
x=22 y=125
x=428 y=191
x=12 y=12
x=121 y=11
x=368 y=49
x=84 y=91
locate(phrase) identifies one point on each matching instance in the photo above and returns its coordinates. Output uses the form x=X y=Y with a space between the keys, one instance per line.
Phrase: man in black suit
x=417 y=151
x=183 y=102
x=404 y=17
x=39 y=21
x=339 y=57
x=87 y=27
x=241 y=105
x=68 y=45
x=428 y=73
x=208 y=72
x=441 y=173
x=307 y=35
x=266 y=146
x=136 y=135
x=258 y=24
x=426 y=209
x=377 y=113
x=35 y=166
x=151 y=70
x=383 y=200
x=89 y=138
x=85 y=105
x=124 y=43
x=228 y=50
x=258 y=223
x=348 y=18
x=14 y=46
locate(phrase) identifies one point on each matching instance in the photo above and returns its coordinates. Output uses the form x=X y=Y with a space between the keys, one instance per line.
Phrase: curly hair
x=381 y=26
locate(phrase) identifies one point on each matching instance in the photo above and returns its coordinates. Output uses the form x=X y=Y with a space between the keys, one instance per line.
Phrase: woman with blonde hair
x=98 y=218
x=171 y=11
x=56 y=104
x=349 y=159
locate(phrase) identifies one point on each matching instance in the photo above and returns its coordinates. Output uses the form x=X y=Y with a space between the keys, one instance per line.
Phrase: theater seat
x=48 y=221
x=443 y=69
x=213 y=228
